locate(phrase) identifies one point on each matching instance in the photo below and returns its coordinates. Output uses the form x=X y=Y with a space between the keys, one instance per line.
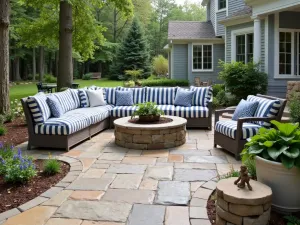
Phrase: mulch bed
x=276 y=219
x=16 y=132
x=162 y=120
x=15 y=195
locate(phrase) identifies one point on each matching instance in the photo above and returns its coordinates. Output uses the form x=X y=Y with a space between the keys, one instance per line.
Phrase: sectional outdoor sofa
x=80 y=122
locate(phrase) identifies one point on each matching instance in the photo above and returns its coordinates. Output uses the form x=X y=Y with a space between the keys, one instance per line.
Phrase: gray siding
x=220 y=28
x=213 y=13
x=208 y=11
x=218 y=54
x=179 y=61
x=228 y=37
x=263 y=49
x=235 y=5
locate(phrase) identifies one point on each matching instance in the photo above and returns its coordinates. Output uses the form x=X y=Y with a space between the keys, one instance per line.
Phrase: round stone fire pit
x=129 y=134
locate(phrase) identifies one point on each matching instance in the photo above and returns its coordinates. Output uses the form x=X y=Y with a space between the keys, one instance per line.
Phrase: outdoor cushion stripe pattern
x=229 y=128
x=84 y=99
x=192 y=112
x=266 y=108
x=167 y=109
x=202 y=95
x=161 y=96
x=75 y=97
x=39 y=108
x=96 y=114
x=66 y=100
x=138 y=94
x=111 y=95
x=123 y=111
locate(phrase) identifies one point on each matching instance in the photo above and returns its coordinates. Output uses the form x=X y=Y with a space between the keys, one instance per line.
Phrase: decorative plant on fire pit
x=147 y=112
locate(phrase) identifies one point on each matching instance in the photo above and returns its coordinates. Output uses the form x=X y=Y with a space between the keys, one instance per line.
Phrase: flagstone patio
x=111 y=185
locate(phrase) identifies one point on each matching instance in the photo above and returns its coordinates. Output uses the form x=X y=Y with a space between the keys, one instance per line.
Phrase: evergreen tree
x=133 y=53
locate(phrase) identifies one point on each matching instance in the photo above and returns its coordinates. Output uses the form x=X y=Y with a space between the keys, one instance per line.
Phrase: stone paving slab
x=185 y=165
x=94 y=210
x=32 y=203
x=59 y=221
x=200 y=222
x=190 y=152
x=176 y=215
x=139 y=160
x=205 y=159
x=91 y=184
x=100 y=223
x=194 y=175
x=127 y=181
x=87 y=195
x=198 y=213
x=173 y=193
x=112 y=156
x=129 y=196
x=147 y=215
x=126 y=168
x=9 y=213
x=59 y=198
x=94 y=173
x=149 y=184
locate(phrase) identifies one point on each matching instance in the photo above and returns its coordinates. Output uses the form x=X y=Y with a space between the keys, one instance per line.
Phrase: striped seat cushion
x=167 y=109
x=66 y=100
x=229 y=128
x=202 y=95
x=111 y=95
x=139 y=94
x=161 y=96
x=192 y=112
x=122 y=111
x=96 y=114
x=39 y=108
x=266 y=108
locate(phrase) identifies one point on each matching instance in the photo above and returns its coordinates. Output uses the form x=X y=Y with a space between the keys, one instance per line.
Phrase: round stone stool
x=242 y=206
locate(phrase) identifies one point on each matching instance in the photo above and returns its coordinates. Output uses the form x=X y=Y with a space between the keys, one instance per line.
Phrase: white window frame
x=221 y=10
x=234 y=33
x=212 y=58
x=276 y=51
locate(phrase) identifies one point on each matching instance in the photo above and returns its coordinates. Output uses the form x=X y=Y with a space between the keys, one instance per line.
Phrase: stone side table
x=241 y=206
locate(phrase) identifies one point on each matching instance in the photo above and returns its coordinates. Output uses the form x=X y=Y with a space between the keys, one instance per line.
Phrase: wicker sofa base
x=229 y=144
x=66 y=141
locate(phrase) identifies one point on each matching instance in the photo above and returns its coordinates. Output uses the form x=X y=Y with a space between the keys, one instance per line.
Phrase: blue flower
x=2 y=160
x=1 y=144
x=19 y=152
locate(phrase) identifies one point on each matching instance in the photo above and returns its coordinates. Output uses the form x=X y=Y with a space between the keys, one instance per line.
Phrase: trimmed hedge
x=165 y=83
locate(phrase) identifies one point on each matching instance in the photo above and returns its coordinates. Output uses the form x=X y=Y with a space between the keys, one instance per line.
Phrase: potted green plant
x=148 y=112
x=277 y=157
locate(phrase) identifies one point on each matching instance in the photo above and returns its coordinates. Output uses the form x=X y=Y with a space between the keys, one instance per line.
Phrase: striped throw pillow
x=202 y=95
x=161 y=96
x=111 y=95
x=66 y=100
x=39 y=108
x=84 y=99
x=266 y=108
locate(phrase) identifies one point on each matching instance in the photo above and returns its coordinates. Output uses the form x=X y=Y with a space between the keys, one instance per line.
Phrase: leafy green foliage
x=87 y=76
x=51 y=166
x=250 y=163
x=165 y=82
x=217 y=88
x=231 y=173
x=129 y=83
x=147 y=109
x=10 y=116
x=49 y=78
x=279 y=145
x=133 y=53
x=242 y=79
x=160 y=65
x=16 y=108
x=292 y=220
x=134 y=74
x=2 y=119
x=3 y=130
x=224 y=99
x=294 y=105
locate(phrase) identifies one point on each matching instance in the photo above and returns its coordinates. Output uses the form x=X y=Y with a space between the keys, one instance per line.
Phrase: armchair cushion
x=229 y=128
x=245 y=109
x=111 y=95
x=202 y=95
x=266 y=108
x=39 y=108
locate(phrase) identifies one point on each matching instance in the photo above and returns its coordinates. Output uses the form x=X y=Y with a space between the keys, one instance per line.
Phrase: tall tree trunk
x=41 y=64
x=56 y=63
x=4 y=56
x=65 y=67
x=115 y=25
x=50 y=63
x=17 y=68
x=33 y=64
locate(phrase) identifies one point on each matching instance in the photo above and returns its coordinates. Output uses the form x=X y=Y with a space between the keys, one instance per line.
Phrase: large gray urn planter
x=284 y=183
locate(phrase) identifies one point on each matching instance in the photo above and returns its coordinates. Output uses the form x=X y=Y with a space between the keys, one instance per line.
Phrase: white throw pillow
x=96 y=97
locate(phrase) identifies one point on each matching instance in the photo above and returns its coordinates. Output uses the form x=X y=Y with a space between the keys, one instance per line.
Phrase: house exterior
x=267 y=31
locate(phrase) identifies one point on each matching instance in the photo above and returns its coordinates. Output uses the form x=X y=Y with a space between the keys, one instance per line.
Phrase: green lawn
x=24 y=90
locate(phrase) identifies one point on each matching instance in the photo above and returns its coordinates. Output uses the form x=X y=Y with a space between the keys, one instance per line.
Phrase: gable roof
x=193 y=30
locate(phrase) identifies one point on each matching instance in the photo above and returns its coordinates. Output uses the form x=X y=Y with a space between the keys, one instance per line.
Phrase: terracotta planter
x=149 y=118
x=284 y=183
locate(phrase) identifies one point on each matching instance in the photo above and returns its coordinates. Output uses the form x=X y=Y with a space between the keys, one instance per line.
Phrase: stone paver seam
x=39 y=199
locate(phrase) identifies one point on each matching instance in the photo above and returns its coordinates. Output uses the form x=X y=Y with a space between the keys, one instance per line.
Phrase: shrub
x=160 y=65
x=6 y=154
x=16 y=108
x=165 y=83
x=3 y=130
x=2 y=119
x=134 y=74
x=51 y=166
x=294 y=106
x=242 y=79
x=10 y=116
x=217 y=88
x=224 y=99
x=48 y=78
x=129 y=83
x=87 y=76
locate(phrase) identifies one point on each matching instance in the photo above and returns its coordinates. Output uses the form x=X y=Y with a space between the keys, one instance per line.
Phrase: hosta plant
x=280 y=145
x=147 y=109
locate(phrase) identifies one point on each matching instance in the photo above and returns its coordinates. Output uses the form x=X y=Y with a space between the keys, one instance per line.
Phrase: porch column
x=257 y=40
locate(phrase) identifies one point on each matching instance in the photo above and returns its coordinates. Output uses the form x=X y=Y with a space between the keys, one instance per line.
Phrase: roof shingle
x=190 y=30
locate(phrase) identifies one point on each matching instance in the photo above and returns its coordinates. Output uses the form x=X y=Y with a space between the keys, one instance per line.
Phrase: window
x=202 y=57
x=222 y=4
x=285 y=53
x=244 y=48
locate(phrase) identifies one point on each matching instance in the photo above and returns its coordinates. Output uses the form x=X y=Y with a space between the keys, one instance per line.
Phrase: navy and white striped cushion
x=167 y=109
x=229 y=128
x=39 y=108
x=84 y=99
x=111 y=95
x=123 y=111
x=202 y=95
x=161 y=96
x=75 y=97
x=139 y=94
x=66 y=100
x=266 y=108
x=192 y=112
